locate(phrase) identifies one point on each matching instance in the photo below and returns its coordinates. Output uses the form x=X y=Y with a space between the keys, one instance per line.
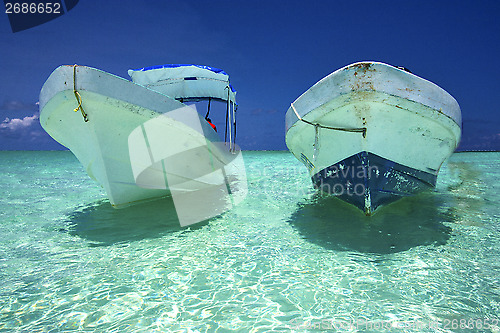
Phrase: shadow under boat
x=103 y=225
x=402 y=225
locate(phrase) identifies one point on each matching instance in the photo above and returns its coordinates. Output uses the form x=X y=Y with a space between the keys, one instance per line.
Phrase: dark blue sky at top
x=273 y=51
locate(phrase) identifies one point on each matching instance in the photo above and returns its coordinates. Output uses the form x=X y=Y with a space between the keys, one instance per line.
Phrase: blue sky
x=273 y=51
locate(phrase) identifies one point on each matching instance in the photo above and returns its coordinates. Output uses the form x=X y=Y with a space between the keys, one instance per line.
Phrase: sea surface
x=285 y=259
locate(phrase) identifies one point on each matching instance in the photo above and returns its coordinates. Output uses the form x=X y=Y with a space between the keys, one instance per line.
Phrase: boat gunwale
x=291 y=117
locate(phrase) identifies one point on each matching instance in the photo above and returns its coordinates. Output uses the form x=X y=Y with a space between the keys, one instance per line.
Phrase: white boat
x=371 y=133
x=138 y=140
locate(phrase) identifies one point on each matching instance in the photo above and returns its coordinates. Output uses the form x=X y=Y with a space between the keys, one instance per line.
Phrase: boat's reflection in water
x=102 y=225
x=407 y=223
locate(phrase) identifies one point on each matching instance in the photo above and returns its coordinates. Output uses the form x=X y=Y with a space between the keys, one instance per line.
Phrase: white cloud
x=18 y=105
x=16 y=124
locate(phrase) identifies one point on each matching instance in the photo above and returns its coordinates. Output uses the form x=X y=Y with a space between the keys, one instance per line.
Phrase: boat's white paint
x=409 y=120
x=116 y=107
x=171 y=81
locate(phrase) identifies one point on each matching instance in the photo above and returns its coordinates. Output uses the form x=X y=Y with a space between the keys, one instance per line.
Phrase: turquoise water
x=286 y=259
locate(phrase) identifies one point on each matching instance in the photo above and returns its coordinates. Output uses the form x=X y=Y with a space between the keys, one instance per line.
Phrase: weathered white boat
x=138 y=140
x=371 y=133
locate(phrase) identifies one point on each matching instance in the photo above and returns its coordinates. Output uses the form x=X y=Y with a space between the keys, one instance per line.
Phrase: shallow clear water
x=286 y=259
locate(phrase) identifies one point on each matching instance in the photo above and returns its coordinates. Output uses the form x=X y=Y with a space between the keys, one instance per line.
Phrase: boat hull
x=369 y=181
x=116 y=109
x=410 y=126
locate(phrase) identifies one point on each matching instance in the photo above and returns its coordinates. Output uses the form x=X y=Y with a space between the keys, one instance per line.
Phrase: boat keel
x=368 y=181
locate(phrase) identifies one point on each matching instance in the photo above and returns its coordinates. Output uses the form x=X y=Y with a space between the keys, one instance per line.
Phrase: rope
x=234 y=124
x=354 y=130
x=229 y=119
x=227 y=116
x=78 y=97
x=208 y=111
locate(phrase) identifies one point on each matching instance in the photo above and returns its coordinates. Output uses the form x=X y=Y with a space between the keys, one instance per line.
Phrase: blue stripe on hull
x=368 y=181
